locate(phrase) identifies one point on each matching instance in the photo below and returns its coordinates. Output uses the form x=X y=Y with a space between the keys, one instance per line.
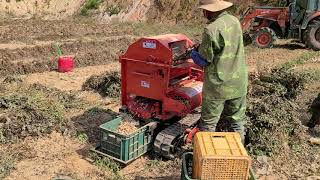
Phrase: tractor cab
x=304 y=22
x=300 y=20
x=301 y=11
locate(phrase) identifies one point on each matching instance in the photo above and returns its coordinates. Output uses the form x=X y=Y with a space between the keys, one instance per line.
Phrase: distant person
x=221 y=53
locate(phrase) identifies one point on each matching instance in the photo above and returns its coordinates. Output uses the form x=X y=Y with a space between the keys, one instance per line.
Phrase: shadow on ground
x=290 y=46
x=90 y=121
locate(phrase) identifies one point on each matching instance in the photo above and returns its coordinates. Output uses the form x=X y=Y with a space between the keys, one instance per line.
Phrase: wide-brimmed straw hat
x=214 y=5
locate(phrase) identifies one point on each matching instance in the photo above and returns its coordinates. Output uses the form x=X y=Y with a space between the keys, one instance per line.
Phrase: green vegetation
x=113 y=10
x=295 y=147
x=273 y=112
x=6 y=164
x=107 y=84
x=153 y=163
x=279 y=3
x=2 y=137
x=82 y=137
x=34 y=111
x=305 y=57
x=313 y=75
x=89 y=5
x=107 y=164
x=309 y=74
x=7 y=161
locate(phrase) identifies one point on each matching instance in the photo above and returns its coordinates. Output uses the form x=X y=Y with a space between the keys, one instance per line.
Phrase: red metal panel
x=146 y=80
x=155 y=49
x=150 y=50
x=280 y=15
x=192 y=92
x=147 y=69
x=167 y=39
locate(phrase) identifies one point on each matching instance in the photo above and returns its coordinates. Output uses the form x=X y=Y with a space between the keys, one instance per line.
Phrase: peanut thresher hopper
x=162 y=85
x=160 y=82
x=156 y=83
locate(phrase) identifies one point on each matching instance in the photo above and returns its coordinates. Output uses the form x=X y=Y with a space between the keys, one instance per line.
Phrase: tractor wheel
x=312 y=35
x=264 y=38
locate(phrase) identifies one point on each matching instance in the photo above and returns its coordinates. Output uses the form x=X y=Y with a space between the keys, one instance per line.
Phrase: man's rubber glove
x=196 y=57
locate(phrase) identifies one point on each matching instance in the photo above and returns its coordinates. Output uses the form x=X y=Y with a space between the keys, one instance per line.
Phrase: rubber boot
x=239 y=128
x=207 y=127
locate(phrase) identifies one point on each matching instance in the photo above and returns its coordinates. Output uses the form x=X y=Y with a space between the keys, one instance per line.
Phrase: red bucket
x=65 y=64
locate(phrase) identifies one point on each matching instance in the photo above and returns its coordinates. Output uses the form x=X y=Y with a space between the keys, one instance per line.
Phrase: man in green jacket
x=221 y=53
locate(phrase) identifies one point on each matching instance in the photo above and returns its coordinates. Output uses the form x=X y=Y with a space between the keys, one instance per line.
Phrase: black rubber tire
x=264 y=31
x=310 y=35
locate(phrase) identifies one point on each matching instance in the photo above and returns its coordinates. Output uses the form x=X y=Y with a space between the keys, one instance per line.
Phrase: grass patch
x=2 y=137
x=82 y=137
x=313 y=75
x=309 y=74
x=34 y=111
x=305 y=57
x=113 y=10
x=29 y=114
x=6 y=165
x=273 y=112
x=153 y=164
x=7 y=161
x=69 y=100
x=106 y=84
x=107 y=164
x=90 y=5
x=274 y=124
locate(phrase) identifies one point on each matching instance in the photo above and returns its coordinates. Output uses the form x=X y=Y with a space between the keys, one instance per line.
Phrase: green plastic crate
x=186 y=170
x=124 y=148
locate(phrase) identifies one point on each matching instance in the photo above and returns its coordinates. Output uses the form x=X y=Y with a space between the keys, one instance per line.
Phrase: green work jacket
x=226 y=76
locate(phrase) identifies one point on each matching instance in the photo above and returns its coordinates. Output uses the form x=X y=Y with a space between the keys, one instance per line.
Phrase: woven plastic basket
x=220 y=156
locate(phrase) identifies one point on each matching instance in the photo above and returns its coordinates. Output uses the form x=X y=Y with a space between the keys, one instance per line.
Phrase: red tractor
x=299 y=20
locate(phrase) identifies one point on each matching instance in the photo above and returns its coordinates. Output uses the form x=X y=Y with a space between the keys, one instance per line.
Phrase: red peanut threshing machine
x=159 y=82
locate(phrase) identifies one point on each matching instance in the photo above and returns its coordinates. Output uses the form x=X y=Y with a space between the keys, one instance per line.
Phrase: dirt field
x=26 y=49
x=30 y=48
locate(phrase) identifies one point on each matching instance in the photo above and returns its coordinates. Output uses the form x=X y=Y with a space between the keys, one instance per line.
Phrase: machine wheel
x=312 y=35
x=264 y=38
x=171 y=138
